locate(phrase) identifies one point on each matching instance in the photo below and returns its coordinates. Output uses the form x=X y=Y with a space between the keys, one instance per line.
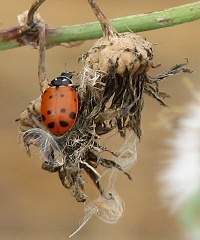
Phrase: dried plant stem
x=42 y=73
x=32 y=11
x=9 y=38
x=107 y=28
x=29 y=21
x=33 y=25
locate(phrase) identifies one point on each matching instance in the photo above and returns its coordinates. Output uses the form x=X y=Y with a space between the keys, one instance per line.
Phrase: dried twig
x=31 y=12
x=42 y=75
x=107 y=28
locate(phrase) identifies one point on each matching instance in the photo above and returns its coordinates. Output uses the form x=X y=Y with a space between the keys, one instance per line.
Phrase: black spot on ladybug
x=49 y=112
x=43 y=118
x=51 y=125
x=62 y=110
x=44 y=91
x=75 y=100
x=62 y=95
x=64 y=123
x=72 y=115
x=51 y=96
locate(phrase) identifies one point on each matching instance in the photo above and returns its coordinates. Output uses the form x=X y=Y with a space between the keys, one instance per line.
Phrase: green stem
x=10 y=38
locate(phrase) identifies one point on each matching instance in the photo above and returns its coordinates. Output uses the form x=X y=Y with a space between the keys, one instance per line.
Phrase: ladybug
x=59 y=107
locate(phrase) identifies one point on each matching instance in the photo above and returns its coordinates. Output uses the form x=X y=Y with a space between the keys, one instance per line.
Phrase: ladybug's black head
x=65 y=79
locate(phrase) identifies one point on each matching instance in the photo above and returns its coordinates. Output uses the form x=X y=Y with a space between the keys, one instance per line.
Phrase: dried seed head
x=113 y=83
x=121 y=53
x=122 y=62
x=112 y=91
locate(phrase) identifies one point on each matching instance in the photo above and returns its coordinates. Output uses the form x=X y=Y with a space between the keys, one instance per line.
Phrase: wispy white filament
x=109 y=209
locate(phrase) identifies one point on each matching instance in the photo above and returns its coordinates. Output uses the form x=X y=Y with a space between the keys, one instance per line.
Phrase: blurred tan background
x=33 y=203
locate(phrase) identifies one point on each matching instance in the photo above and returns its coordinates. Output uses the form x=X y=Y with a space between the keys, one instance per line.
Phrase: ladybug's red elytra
x=59 y=107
